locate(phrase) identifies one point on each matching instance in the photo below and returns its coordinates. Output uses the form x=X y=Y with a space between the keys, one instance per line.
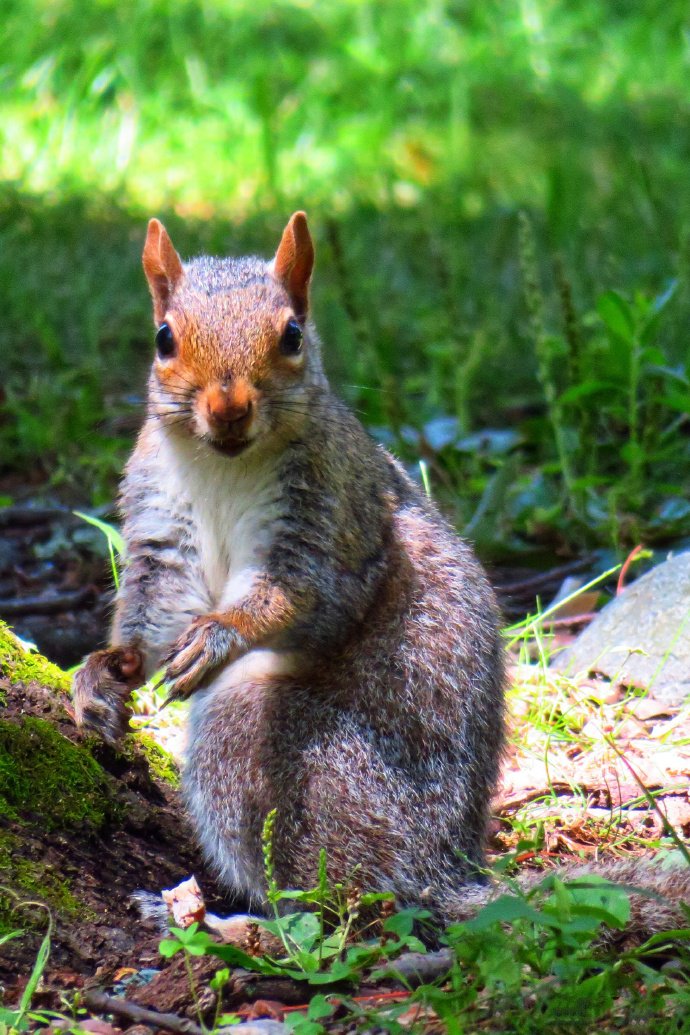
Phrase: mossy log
x=82 y=826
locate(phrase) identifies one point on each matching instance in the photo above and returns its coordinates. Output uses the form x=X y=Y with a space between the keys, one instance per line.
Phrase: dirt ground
x=106 y=946
x=54 y=590
x=144 y=844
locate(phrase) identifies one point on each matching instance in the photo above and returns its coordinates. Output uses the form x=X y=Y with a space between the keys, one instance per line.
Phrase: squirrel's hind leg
x=274 y=743
x=228 y=779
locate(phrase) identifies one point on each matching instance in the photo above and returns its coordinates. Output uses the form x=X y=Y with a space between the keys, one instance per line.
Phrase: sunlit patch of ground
x=592 y=765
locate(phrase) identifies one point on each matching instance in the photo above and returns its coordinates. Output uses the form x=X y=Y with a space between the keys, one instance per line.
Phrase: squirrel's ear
x=162 y=266
x=294 y=262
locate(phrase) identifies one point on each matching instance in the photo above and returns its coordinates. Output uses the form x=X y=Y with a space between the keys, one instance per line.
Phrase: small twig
x=526 y=856
x=140 y=1014
x=543 y=578
x=507 y=805
x=25 y=517
x=415 y=968
x=373 y=997
x=561 y=623
x=46 y=605
x=620 y=586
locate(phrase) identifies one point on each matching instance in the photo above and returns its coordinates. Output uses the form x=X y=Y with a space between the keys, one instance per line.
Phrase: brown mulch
x=587 y=781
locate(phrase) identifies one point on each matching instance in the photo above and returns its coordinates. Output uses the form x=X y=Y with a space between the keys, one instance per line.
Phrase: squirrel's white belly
x=234 y=511
x=257 y=666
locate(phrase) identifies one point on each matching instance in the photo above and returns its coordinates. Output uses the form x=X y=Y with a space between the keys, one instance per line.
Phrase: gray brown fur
x=384 y=748
x=659 y=897
x=379 y=736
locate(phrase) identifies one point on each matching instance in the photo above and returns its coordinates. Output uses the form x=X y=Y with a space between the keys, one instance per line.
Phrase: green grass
x=552 y=412
x=549 y=959
x=527 y=962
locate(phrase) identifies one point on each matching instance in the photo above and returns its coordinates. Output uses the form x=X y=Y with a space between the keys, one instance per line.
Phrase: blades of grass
x=37 y=969
x=10 y=934
x=669 y=650
x=668 y=828
x=544 y=349
x=532 y=622
x=116 y=543
x=424 y=471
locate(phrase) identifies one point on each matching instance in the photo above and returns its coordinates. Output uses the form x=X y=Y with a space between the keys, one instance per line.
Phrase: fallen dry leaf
x=185 y=903
x=269 y=1008
x=123 y=972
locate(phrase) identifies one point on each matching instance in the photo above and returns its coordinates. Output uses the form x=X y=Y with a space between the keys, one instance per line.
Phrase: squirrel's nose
x=228 y=405
x=230 y=412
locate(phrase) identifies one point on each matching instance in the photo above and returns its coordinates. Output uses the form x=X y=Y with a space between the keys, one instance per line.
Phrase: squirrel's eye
x=291 y=342
x=165 y=343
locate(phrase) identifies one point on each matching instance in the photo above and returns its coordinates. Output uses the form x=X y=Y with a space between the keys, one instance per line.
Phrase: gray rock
x=643 y=636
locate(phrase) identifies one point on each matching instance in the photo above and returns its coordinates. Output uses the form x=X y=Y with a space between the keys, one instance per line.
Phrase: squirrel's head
x=235 y=358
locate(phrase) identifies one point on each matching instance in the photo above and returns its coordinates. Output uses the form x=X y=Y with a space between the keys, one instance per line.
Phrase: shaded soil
x=54 y=580
x=55 y=590
x=144 y=845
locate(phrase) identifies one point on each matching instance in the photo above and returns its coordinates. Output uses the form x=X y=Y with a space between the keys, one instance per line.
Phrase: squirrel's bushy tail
x=657 y=895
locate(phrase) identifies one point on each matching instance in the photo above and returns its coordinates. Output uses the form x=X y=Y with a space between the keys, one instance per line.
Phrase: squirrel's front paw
x=205 y=645
x=101 y=688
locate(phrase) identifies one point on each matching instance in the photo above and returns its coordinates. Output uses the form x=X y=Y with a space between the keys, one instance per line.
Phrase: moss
x=43 y=772
x=24 y=666
x=32 y=880
x=160 y=762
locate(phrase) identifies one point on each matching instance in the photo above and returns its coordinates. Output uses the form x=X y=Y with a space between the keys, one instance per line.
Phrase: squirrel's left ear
x=162 y=266
x=294 y=262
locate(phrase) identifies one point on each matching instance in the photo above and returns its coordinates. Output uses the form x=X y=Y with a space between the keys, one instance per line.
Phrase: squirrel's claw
x=101 y=689
x=207 y=644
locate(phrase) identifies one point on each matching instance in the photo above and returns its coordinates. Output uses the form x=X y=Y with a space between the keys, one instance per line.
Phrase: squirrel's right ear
x=294 y=262
x=162 y=266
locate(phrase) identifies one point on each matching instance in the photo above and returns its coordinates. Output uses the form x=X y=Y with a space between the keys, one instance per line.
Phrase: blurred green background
x=499 y=196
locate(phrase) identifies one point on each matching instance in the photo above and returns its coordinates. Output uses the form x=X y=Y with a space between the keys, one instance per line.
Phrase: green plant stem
x=534 y=302
x=633 y=414
x=668 y=828
x=530 y=624
x=193 y=989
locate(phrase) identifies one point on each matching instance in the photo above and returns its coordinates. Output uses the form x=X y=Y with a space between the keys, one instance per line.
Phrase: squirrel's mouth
x=229 y=446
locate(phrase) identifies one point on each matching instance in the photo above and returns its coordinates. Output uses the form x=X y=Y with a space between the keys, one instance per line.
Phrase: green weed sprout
x=116 y=544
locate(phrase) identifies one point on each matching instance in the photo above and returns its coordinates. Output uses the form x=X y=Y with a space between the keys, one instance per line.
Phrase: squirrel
x=339 y=642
